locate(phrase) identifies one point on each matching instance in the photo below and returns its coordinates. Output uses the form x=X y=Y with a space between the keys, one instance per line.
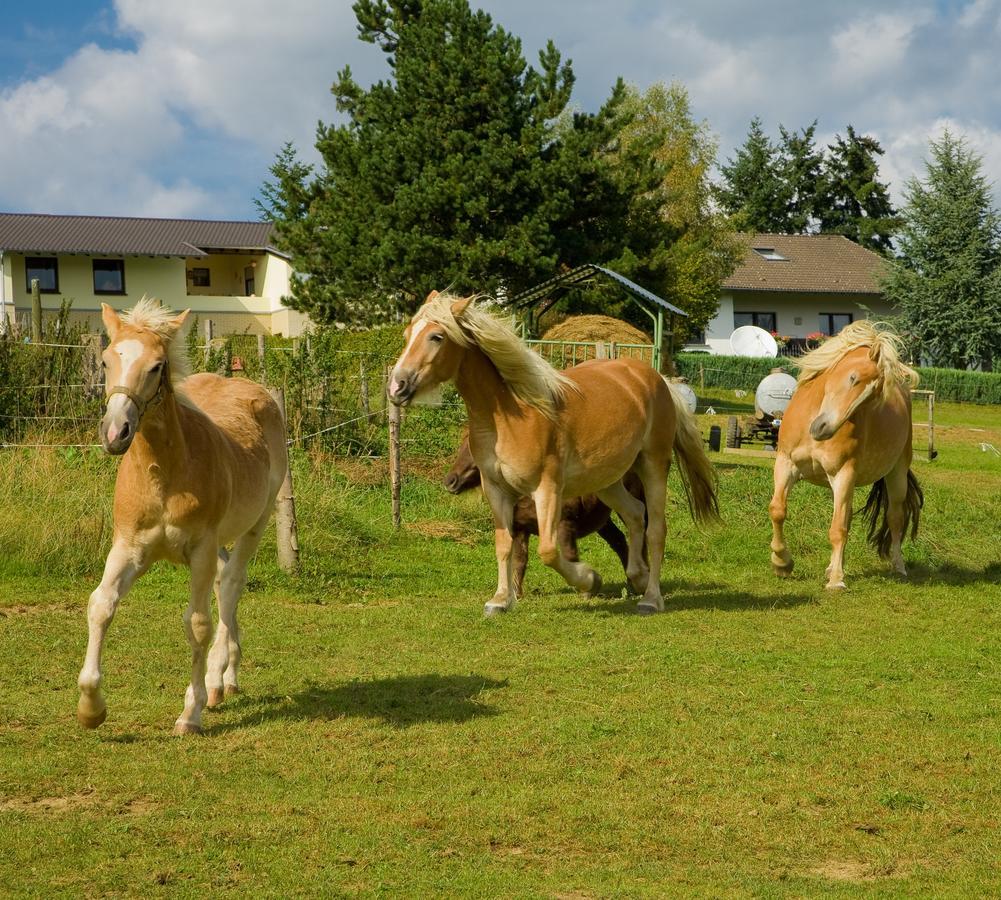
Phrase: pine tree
x=461 y=170
x=947 y=281
x=754 y=190
x=801 y=165
x=287 y=198
x=854 y=202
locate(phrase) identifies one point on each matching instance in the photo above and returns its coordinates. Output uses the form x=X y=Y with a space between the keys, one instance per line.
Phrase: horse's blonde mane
x=150 y=314
x=531 y=379
x=863 y=333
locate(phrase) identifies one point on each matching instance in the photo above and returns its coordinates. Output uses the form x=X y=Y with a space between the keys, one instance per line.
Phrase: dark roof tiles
x=122 y=236
x=814 y=263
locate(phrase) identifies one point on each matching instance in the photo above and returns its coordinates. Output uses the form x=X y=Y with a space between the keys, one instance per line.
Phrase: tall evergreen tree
x=754 y=191
x=947 y=281
x=287 y=198
x=458 y=171
x=854 y=201
x=801 y=165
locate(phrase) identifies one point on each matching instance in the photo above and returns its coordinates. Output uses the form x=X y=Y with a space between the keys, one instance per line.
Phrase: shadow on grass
x=681 y=595
x=946 y=574
x=401 y=701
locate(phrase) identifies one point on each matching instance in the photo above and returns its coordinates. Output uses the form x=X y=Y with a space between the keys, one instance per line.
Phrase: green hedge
x=743 y=372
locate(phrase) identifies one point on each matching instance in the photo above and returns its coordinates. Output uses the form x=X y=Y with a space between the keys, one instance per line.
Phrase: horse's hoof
x=648 y=608
x=782 y=571
x=595 y=588
x=215 y=697
x=232 y=690
x=496 y=607
x=186 y=728
x=836 y=586
x=92 y=721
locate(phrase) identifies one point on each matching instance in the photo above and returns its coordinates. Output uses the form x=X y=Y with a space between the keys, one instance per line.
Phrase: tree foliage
x=794 y=188
x=469 y=169
x=947 y=281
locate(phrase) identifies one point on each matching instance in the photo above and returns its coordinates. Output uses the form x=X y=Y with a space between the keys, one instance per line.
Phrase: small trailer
x=758 y=435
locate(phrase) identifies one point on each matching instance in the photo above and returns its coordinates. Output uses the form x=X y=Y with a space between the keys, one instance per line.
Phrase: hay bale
x=596 y=328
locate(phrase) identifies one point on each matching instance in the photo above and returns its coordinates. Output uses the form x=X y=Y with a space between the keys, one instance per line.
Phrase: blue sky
x=177 y=107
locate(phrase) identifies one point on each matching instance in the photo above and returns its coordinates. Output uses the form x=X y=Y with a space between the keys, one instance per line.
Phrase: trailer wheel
x=715 y=438
x=732 y=433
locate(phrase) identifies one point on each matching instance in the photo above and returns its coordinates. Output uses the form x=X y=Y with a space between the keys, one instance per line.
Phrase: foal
x=203 y=461
x=581 y=516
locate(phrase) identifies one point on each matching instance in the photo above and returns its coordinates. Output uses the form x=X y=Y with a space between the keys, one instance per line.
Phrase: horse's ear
x=874 y=352
x=178 y=321
x=111 y=319
x=431 y=296
x=460 y=307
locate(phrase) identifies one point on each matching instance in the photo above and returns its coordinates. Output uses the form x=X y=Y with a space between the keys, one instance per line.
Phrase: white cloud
x=187 y=122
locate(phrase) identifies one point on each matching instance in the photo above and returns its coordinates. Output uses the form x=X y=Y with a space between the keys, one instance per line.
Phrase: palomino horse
x=203 y=461
x=536 y=432
x=848 y=424
x=580 y=517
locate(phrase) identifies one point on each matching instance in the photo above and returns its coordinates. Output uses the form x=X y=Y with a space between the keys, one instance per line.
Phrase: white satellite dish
x=774 y=393
x=749 y=340
x=685 y=392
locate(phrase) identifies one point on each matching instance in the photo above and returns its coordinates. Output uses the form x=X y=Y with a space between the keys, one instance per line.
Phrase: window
x=200 y=277
x=46 y=270
x=764 y=320
x=109 y=276
x=769 y=253
x=248 y=280
x=832 y=323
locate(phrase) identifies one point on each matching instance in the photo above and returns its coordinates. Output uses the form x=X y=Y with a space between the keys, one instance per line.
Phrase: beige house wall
x=166 y=279
x=796 y=315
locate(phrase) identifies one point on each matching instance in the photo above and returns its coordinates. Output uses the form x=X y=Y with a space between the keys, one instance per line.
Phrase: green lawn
x=760 y=738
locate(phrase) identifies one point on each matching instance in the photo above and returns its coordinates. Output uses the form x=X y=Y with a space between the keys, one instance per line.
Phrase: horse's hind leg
x=502 y=506
x=653 y=473
x=222 y=678
x=785 y=476
x=121 y=569
x=896 y=491
x=632 y=512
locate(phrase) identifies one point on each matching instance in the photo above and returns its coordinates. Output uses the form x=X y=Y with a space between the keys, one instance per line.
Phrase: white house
x=798 y=285
x=228 y=272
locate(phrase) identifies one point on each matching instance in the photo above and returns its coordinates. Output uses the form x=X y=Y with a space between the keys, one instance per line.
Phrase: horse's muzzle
x=402 y=387
x=822 y=429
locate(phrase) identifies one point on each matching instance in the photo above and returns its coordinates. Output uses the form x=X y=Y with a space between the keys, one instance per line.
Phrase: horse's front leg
x=549 y=510
x=198 y=626
x=843 y=485
x=123 y=566
x=785 y=476
x=502 y=506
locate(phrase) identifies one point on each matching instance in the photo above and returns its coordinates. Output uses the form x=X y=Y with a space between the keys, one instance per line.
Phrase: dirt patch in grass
x=451 y=531
x=67 y=803
x=26 y=609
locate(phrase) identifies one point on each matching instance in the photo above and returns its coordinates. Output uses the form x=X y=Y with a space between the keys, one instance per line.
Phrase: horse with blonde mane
x=203 y=460
x=553 y=436
x=849 y=424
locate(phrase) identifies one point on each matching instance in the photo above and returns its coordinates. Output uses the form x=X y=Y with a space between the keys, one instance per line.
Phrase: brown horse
x=536 y=432
x=848 y=424
x=580 y=517
x=203 y=461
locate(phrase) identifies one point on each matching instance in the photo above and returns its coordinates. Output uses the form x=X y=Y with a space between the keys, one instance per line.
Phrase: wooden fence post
x=92 y=373
x=285 y=523
x=36 y=312
x=363 y=377
x=208 y=340
x=260 y=358
x=395 y=477
x=932 y=452
x=702 y=377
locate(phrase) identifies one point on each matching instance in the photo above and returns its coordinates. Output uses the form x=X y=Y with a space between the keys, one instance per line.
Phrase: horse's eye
x=157 y=367
x=104 y=365
x=436 y=338
x=852 y=378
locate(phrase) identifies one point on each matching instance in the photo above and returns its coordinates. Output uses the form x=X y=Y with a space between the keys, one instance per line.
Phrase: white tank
x=774 y=393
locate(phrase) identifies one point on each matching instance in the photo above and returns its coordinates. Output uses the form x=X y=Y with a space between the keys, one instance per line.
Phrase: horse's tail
x=874 y=513
x=697 y=473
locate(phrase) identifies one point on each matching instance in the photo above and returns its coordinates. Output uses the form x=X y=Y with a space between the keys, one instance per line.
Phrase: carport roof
x=125 y=236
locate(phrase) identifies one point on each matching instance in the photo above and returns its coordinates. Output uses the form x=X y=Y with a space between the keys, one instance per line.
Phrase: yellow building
x=226 y=272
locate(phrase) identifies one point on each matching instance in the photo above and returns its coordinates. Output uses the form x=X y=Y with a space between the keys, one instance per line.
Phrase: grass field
x=760 y=738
